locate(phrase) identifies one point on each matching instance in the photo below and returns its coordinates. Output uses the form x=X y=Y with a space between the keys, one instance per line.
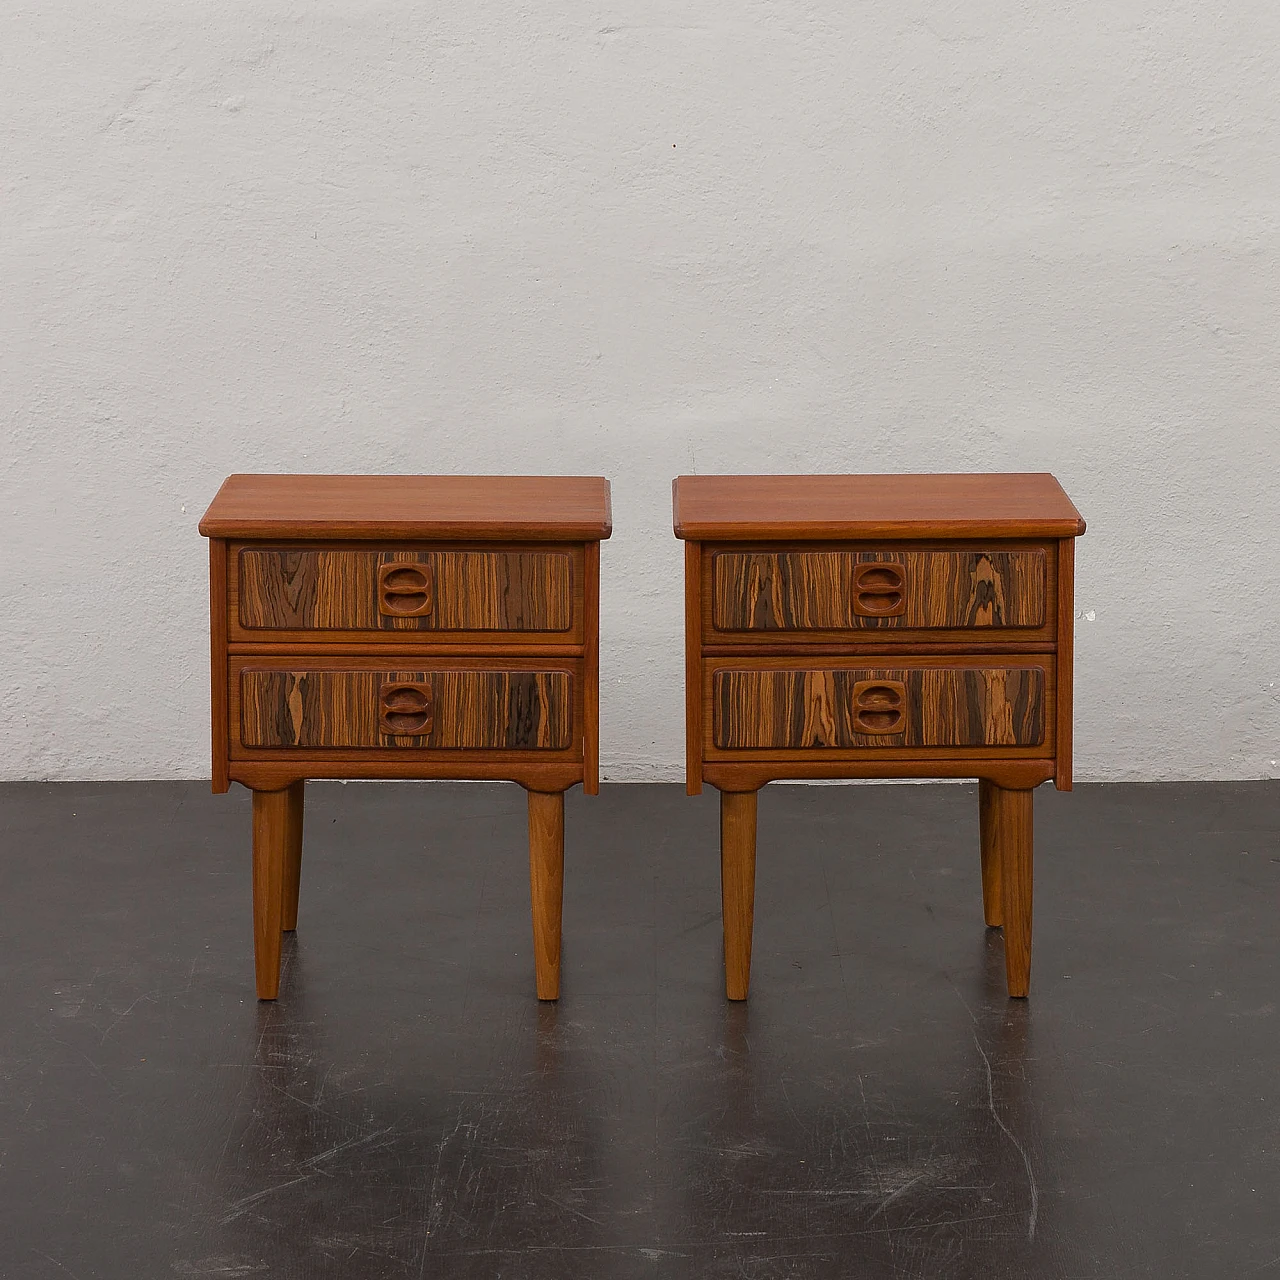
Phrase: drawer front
x=451 y=709
x=839 y=590
x=842 y=708
x=390 y=590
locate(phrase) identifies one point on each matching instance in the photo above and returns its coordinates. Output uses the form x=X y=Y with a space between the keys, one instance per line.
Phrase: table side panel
x=591 y=670
x=693 y=615
x=1066 y=663
x=219 y=740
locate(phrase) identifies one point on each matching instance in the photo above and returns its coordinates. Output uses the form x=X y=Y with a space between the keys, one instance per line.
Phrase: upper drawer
x=437 y=593
x=882 y=589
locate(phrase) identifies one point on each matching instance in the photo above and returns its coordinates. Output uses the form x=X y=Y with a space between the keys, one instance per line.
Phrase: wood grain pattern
x=818 y=590
x=737 y=887
x=737 y=774
x=749 y=508
x=293 y=857
x=546 y=883
x=293 y=589
x=875 y=646
x=798 y=708
x=394 y=647
x=221 y=778
x=591 y=671
x=693 y=667
x=471 y=709
x=1066 y=604
x=1012 y=815
x=992 y=893
x=271 y=840
x=528 y=508
x=532 y=770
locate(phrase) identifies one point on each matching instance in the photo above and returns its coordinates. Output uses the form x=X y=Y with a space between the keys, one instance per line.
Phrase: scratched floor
x=408 y=1110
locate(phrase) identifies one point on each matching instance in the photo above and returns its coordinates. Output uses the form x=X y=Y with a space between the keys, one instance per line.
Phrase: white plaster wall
x=637 y=240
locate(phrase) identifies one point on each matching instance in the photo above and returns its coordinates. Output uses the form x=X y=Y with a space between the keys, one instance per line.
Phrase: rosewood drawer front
x=886 y=590
x=452 y=709
x=333 y=589
x=849 y=707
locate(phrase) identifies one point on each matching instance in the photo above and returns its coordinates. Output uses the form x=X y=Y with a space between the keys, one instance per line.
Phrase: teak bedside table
x=404 y=627
x=879 y=627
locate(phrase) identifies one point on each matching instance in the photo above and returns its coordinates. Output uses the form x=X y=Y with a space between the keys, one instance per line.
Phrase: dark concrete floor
x=407 y=1109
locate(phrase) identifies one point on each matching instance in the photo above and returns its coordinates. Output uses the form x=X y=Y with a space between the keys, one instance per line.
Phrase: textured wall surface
x=725 y=235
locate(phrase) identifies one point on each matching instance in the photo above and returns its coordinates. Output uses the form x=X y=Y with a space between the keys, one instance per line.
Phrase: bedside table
x=879 y=627
x=404 y=627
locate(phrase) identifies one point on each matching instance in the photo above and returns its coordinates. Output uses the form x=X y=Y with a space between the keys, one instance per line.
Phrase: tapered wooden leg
x=546 y=880
x=270 y=846
x=1011 y=836
x=992 y=894
x=737 y=887
x=293 y=858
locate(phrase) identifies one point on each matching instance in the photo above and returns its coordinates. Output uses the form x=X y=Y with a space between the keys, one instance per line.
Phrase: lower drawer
x=447 y=708
x=921 y=703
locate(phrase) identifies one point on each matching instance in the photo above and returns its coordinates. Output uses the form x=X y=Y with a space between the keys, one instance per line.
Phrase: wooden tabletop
x=539 y=508
x=744 y=508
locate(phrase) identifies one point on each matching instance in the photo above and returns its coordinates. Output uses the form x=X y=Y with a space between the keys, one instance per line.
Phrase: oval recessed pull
x=405 y=579
x=405 y=709
x=879 y=590
x=403 y=724
x=406 y=604
x=878 y=697
x=879 y=605
x=879 y=706
x=879 y=721
x=405 y=590
x=406 y=700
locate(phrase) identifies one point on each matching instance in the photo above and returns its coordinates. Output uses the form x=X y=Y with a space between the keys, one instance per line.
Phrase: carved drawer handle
x=404 y=710
x=879 y=706
x=879 y=590
x=405 y=590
